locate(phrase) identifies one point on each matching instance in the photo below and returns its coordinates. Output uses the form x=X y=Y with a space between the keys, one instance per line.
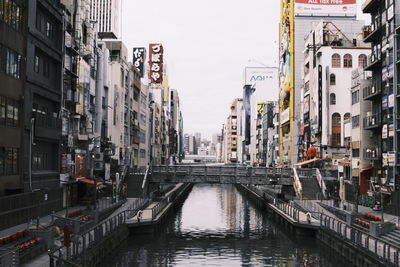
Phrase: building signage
x=391 y=130
x=390 y=71
x=284 y=116
x=258 y=74
x=391 y=158
x=306 y=104
x=384 y=131
x=139 y=54
x=391 y=101
x=325 y=7
x=156 y=59
x=80 y=166
x=390 y=12
x=384 y=102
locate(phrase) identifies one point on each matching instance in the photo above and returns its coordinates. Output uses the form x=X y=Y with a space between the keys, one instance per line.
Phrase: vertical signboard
x=139 y=54
x=156 y=58
x=80 y=166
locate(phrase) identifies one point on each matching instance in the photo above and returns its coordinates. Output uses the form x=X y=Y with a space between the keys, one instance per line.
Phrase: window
x=11 y=14
x=355 y=121
x=142 y=137
x=362 y=61
x=332 y=99
x=336 y=129
x=355 y=97
x=346 y=117
x=37 y=64
x=347 y=61
x=46 y=68
x=49 y=30
x=9 y=112
x=9 y=161
x=335 y=61
x=355 y=153
x=10 y=62
x=332 y=79
x=142 y=153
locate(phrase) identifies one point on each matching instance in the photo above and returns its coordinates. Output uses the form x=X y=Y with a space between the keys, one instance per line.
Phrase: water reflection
x=216 y=226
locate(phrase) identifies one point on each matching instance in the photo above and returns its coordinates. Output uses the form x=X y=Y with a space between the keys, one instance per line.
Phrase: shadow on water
x=217 y=226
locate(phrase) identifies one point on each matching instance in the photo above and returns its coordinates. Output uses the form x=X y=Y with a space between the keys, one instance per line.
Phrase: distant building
x=232 y=137
x=106 y=13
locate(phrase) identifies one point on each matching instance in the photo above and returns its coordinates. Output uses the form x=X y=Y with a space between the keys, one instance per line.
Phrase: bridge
x=221 y=174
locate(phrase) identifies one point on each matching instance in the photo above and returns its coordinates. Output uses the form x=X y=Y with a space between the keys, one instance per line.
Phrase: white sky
x=207 y=44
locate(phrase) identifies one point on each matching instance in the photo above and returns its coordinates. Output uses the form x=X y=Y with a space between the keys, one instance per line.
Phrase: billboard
x=156 y=59
x=139 y=54
x=325 y=7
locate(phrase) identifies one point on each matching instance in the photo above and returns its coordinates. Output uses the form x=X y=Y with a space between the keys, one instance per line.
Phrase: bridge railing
x=381 y=249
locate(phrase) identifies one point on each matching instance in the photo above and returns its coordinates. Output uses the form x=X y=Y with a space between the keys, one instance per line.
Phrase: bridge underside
x=220 y=175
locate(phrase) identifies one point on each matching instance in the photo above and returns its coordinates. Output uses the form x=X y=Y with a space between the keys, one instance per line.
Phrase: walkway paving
x=43 y=259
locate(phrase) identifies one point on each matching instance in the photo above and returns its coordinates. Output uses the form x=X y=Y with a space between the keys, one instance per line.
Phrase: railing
x=371 y=90
x=47 y=121
x=81 y=243
x=313 y=207
x=297 y=184
x=379 y=248
x=288 y=209
x=372 y=153
x=321 y=182
x=158 y=208
x=373 y=120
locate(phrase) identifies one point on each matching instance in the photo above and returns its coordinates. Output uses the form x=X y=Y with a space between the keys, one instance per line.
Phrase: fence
x=86 y=241
x=379 y=248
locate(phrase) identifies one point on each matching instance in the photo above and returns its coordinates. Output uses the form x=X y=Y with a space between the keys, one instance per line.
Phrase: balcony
x=372 y=121
x=370 y=5
x=372 y=153
x=371 y=91
x=47 y=126
x=370 y=33
x=373 y=61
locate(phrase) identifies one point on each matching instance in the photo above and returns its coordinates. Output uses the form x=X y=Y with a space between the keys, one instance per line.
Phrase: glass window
x=335 y=61
x=1 y=9
x=347 y=61
x=2 y=161
x=356 y=153
x=2 y=110
x=336 y=129
x=362 y=61
x=36 y=66
x=355 y=121
x=46 y=68
x=355 y=97
x=332 y=98
x=332 y=79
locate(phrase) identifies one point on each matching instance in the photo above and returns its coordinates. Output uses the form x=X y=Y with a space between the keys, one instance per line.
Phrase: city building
x=382 y=120
x=326 y=102
x=232 y=136
x=13 y=171
x=297 y=18
x=106 y=13
x=271 y=134
x=360 y=139
x=43 y=95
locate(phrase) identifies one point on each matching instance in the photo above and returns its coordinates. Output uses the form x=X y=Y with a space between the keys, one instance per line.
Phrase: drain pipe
x=30 y=152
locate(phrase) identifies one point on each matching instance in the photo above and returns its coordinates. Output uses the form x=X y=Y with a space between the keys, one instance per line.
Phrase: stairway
x=393 y=236
x=310 y=187
x=134 y=184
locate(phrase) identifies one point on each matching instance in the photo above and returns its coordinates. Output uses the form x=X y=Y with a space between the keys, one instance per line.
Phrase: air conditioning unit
x=98 y=166
x=98 y=157
x=69 y=95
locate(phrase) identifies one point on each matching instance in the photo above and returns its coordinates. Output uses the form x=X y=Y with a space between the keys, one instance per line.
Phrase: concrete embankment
x=357 y=246
x=157 y=211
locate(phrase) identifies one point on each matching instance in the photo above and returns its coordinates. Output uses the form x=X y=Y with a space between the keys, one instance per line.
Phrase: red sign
x=67 y=236
x=327 y=2
x=80 y=166
x=156 y=58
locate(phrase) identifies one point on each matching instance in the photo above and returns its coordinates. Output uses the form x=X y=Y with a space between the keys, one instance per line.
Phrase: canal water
x=218 y=226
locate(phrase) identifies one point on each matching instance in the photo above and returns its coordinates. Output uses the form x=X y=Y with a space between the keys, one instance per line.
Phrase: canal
x=218 y=226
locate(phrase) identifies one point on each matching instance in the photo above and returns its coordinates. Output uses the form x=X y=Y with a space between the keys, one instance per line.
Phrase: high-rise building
x=12 y=80
x=106 y=13
x=297 y=19
x=382 y=121
x=330 y=56
x=232 y=132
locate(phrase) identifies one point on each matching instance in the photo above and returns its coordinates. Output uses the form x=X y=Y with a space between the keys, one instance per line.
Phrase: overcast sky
x=207 y=44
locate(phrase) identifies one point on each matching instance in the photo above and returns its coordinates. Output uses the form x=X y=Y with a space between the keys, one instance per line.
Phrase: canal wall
x=157 y=212
x=358 y=247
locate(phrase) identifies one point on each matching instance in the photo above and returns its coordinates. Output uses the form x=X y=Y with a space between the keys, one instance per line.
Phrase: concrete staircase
x=393 y=236
x=309 y=183
x=134 y=185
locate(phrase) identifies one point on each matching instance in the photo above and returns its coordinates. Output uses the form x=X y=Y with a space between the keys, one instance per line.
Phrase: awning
x=307 y=162
x=344 y=163
x=89 y=181
x=366 y=169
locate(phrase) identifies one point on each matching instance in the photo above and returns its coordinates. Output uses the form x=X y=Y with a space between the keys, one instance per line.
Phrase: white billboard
x=325 y=7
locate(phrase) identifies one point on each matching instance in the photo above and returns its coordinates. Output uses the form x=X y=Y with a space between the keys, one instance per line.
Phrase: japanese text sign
x=156 y=58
